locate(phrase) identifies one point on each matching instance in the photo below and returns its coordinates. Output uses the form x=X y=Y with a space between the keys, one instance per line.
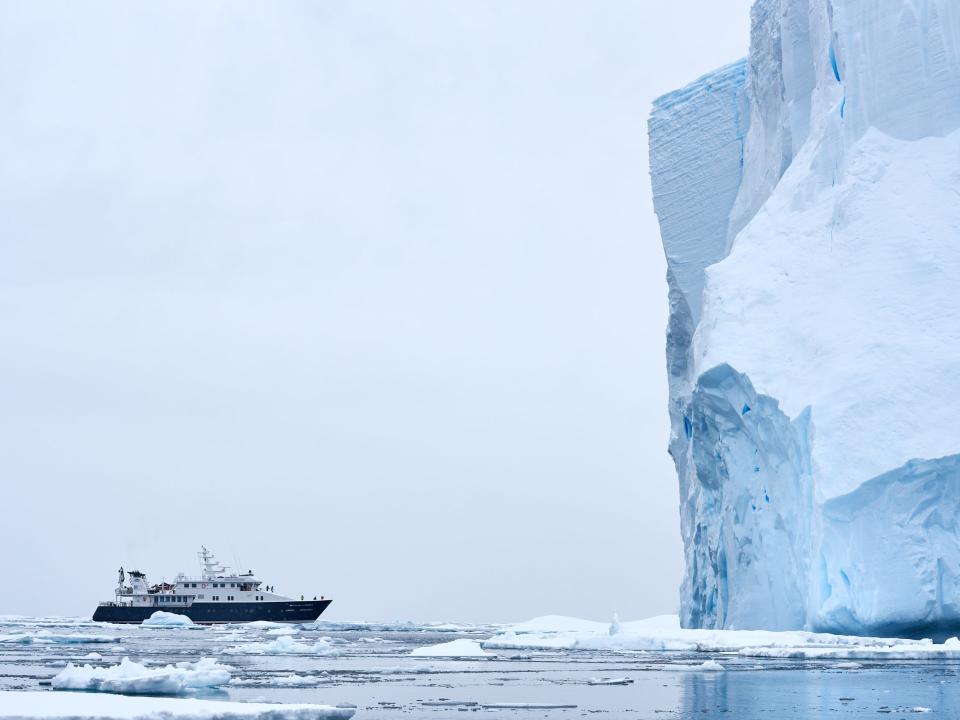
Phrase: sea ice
x=663 y=633
x=39 y=705
x=45 y=637
x=131 y=678
x=284 y=645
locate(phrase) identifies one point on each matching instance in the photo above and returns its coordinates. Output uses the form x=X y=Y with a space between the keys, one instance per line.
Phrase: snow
x=663 y=633
x=86 y=706
x=807 y=206
x=460 y=648
x=284 y=645
x=132 y=678
x=167 y=619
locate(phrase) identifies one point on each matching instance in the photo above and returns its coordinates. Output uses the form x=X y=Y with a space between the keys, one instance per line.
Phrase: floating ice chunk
x=92 y=656
x=460 y=648
x=264 y=624
x=403 y=670
x=527 y=706
x=609 y=681
x=167 y=619
x=131 y=678
x=287 y=681
x=282 y=631
x=893 y=649
x=45 y=637
x=37 y=705
x=712 y=666
x=285 y=645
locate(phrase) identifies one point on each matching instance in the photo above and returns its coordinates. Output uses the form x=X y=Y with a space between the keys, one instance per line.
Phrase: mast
x=209 y=567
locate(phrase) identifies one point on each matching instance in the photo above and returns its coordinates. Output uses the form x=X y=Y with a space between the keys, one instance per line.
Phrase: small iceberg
x=162 y=618
x=712 y=666
x=131 y=678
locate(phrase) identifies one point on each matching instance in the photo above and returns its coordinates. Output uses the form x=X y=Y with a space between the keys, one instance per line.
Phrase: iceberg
x=167 y=619
x=807 y=201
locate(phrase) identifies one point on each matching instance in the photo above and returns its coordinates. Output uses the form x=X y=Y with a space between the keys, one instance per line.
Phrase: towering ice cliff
x=809 y=205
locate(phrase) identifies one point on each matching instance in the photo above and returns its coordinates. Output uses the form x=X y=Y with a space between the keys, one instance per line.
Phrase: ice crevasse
x=809 y=206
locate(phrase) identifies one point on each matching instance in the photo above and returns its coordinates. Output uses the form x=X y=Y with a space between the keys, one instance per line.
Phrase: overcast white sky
x=369 y=295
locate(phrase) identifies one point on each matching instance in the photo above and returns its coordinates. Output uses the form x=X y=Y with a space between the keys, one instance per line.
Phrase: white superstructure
x=215 y=584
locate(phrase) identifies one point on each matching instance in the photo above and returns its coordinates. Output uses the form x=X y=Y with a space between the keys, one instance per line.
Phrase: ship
x=217 y=595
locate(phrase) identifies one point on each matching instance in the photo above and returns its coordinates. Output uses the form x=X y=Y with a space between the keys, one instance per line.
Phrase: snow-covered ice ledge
x=807 y=206
x=663 y=633
x=85 y=706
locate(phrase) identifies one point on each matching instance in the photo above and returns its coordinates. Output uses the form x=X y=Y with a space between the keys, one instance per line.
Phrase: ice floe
x=131 y=678
x=162 y=618
x=291 y=680
x=38 y=704
x=460 y=648
x=282 y=631
x=45 y=637
x=284 y=645
x=663 y=633
x=610 y=681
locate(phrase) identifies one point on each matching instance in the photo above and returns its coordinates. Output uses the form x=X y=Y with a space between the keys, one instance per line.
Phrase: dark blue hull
x=293 y=611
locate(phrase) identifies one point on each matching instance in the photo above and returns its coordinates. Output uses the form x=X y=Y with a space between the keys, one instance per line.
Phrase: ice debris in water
x=40 y=705
x=291 y=680
x=45 y=637
x=131 y=678
x=663 y=633
x=167 y=619
x=610 y=681
x=285 y=645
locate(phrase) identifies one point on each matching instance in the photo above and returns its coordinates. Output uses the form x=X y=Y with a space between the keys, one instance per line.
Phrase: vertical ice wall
x=808 y=208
